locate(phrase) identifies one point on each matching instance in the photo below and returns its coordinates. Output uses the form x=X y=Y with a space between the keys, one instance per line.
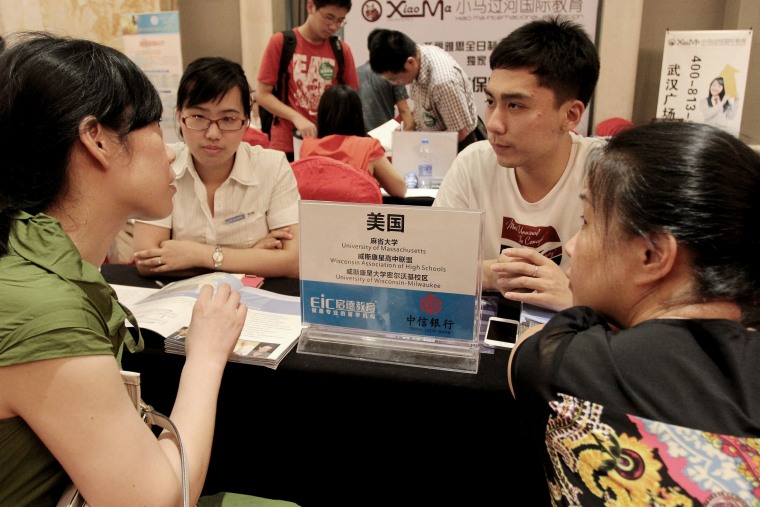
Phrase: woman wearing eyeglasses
x=236 y=206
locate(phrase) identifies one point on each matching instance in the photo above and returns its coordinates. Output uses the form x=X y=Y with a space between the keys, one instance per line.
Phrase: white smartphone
x=501 y=333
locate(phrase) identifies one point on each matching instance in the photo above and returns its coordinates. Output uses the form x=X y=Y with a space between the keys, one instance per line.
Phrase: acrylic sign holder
x=396 y=284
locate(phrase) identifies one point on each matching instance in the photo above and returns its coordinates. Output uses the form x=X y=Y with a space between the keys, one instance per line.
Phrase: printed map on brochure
x=272 y=325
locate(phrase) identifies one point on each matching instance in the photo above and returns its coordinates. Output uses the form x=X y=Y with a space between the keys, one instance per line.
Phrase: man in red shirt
x=311 y=71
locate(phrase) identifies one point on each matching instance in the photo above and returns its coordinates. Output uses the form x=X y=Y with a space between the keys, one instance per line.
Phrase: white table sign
x=398 y=273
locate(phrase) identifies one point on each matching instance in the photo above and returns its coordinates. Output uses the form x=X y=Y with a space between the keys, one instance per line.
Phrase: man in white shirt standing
x=527 y=176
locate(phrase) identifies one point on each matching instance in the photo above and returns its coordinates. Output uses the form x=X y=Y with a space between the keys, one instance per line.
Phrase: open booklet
x=272 y=325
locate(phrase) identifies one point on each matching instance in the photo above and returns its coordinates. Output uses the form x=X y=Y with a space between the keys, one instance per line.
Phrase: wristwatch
x=217 y=257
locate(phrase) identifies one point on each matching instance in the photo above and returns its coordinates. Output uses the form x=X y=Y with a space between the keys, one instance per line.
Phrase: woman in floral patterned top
x=647 y=391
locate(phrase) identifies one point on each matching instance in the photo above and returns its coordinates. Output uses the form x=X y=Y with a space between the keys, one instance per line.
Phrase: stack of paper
x=384 y=133
x=272 y=325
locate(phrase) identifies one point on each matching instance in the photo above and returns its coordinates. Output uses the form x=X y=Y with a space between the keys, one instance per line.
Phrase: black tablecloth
x=333 y=431
x=409 y=201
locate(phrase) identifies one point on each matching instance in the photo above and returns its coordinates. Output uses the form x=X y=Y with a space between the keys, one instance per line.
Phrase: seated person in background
x=380 y=98
x=647 y=392
x=527 y=175
x=236 y=207
x=66 y=188
x=342 y=136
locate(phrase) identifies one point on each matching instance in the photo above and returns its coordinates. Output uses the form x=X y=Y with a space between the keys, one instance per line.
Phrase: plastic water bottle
x=425 y=166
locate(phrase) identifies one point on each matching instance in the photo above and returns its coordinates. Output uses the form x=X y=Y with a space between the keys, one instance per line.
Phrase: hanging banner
x=467 y=29
x=703 y=77
x=152 y=41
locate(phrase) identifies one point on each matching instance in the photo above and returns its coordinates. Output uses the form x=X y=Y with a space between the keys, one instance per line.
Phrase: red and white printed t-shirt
x=312 y=70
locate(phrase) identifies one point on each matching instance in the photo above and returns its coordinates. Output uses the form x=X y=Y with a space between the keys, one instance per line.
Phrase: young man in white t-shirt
x=527 y=176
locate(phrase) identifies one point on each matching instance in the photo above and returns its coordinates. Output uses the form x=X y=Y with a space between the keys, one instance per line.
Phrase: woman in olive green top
x=83 y=153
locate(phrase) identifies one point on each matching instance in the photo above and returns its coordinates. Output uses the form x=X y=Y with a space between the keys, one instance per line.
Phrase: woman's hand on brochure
x=524 y=274
x=216 y=324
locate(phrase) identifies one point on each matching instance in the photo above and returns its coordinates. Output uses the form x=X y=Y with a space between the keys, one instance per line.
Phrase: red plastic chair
x=254 y=136
x=613 y=126
x=325 y=179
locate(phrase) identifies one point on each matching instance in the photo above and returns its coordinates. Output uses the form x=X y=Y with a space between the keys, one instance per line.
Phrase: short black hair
x=343 y=4
x=557 y=51
x=371 y=36
x=389 y=50
x=210 y=78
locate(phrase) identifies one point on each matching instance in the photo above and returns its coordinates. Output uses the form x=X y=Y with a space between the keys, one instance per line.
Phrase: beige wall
x=255 y=29
x=210 y=28
x=618 y=47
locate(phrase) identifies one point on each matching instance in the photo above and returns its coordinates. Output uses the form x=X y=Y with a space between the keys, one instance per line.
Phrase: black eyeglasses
x=198 y=122
x=331 y=20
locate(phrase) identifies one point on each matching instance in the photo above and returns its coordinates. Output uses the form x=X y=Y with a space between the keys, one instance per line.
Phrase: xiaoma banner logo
x=372 y=10
x=430 y=304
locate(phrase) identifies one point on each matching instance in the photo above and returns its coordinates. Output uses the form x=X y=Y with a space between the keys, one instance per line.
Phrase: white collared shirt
x=260 y=194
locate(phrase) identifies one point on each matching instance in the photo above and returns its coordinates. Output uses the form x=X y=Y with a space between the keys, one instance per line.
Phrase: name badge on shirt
x=238 y=218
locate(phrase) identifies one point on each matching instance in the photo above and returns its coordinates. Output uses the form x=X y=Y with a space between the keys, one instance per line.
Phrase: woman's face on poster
x=716 y=87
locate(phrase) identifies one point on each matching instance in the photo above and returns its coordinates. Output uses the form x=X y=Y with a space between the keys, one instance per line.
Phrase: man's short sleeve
x=270 y=60
x=400 y=93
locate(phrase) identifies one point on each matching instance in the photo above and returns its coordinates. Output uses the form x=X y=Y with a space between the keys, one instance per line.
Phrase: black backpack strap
x=288 y=48
x=337 y=47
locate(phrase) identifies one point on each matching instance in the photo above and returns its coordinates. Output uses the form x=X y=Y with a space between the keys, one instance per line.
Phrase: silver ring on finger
x=535 y=270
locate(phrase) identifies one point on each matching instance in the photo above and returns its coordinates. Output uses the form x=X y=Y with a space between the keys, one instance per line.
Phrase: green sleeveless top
x=52 y=304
